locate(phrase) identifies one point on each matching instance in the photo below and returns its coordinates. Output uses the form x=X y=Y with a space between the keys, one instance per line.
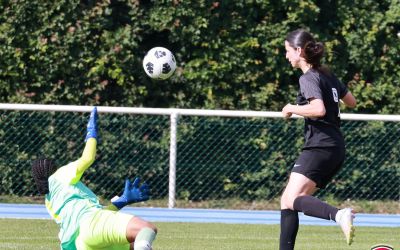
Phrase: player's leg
x=103 y=229
x=315 y=169
x=113 y=230
x=142 y=233
x=311 y=206
x=298 y=185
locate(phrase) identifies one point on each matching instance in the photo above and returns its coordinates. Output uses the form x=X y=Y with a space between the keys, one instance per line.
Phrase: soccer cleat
x=344 y=218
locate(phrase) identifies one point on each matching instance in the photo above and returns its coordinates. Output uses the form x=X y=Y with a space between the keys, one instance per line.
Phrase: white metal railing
x=191 y=112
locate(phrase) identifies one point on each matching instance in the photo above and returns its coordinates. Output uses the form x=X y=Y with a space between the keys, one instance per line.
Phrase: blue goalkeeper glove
x=132 y=193
x=92 y=125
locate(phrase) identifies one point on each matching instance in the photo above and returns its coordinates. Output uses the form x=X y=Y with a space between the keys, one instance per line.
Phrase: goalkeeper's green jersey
x=68 y=202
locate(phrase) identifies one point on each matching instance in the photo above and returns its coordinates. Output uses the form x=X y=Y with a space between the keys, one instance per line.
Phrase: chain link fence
x=226 y=160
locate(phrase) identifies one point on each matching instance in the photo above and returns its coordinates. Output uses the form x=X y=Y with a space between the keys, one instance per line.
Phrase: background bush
x=230 y=55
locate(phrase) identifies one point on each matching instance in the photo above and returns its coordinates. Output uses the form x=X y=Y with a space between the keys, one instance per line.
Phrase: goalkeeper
x=84 y=223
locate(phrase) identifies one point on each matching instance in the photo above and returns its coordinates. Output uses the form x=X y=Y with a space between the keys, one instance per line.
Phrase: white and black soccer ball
x=159 y=63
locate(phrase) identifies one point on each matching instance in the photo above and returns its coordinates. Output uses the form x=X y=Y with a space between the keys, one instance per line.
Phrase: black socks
x=309 y=205
x=289 y=228
x=314 y=207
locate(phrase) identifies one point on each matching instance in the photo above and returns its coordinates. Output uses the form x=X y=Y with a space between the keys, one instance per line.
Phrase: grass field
x=42 y=234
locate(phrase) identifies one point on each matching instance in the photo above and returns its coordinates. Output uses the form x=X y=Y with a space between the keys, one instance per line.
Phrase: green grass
x=42 y=234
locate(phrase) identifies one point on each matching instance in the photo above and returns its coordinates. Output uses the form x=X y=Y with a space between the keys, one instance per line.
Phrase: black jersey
x=322 y=131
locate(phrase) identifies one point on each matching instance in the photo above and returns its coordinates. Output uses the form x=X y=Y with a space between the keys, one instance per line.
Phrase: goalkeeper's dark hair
x=42 y=168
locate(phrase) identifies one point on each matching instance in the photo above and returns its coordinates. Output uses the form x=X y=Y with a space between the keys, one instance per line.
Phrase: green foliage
x=230 y=54
x=69 y=52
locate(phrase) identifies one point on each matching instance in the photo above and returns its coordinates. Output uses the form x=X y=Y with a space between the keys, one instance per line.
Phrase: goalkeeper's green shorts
x=106 y=229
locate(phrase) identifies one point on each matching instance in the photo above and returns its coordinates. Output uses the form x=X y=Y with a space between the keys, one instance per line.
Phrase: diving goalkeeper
x=83 y=222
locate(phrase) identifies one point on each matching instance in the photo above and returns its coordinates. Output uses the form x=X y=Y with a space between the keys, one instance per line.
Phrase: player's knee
x=286 y=205
x=150 y=225
x=287 y=201
x=136 y=225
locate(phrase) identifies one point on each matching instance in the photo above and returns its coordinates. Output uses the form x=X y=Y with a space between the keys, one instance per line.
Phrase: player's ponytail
x=314 y=51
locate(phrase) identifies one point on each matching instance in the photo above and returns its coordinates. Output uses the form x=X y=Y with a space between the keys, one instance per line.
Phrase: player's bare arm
x=315 y=108
x=349 y=100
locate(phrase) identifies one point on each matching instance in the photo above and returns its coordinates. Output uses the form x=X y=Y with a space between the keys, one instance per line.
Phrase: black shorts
x=320 y=164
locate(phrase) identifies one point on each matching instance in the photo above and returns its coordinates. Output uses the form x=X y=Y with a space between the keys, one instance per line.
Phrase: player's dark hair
x=41 y=170
x=313 y=50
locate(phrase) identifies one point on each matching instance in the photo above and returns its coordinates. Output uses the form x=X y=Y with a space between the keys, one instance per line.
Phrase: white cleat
x=344 y=218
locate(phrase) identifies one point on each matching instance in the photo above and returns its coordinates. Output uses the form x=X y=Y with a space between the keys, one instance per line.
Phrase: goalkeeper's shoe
x=344 y=218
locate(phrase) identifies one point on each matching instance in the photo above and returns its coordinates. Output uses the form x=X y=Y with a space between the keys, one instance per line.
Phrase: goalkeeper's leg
x=113 y=230
x=142 y=233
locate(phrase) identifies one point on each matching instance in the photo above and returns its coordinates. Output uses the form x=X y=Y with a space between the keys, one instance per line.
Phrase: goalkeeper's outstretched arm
x=89 y=152
x=86 y=160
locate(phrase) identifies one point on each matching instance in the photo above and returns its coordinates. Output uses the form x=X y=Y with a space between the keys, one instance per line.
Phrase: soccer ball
x=159 y=63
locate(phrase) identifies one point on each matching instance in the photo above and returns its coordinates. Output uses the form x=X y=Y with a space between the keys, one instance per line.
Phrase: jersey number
x=336 y=99
x=335 y=95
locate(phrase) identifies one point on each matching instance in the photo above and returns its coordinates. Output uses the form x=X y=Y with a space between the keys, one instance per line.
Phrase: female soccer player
x=84 y=223
x=323 y=152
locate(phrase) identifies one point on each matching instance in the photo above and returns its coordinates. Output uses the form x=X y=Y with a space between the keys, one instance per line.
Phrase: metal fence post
x=172 y=160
